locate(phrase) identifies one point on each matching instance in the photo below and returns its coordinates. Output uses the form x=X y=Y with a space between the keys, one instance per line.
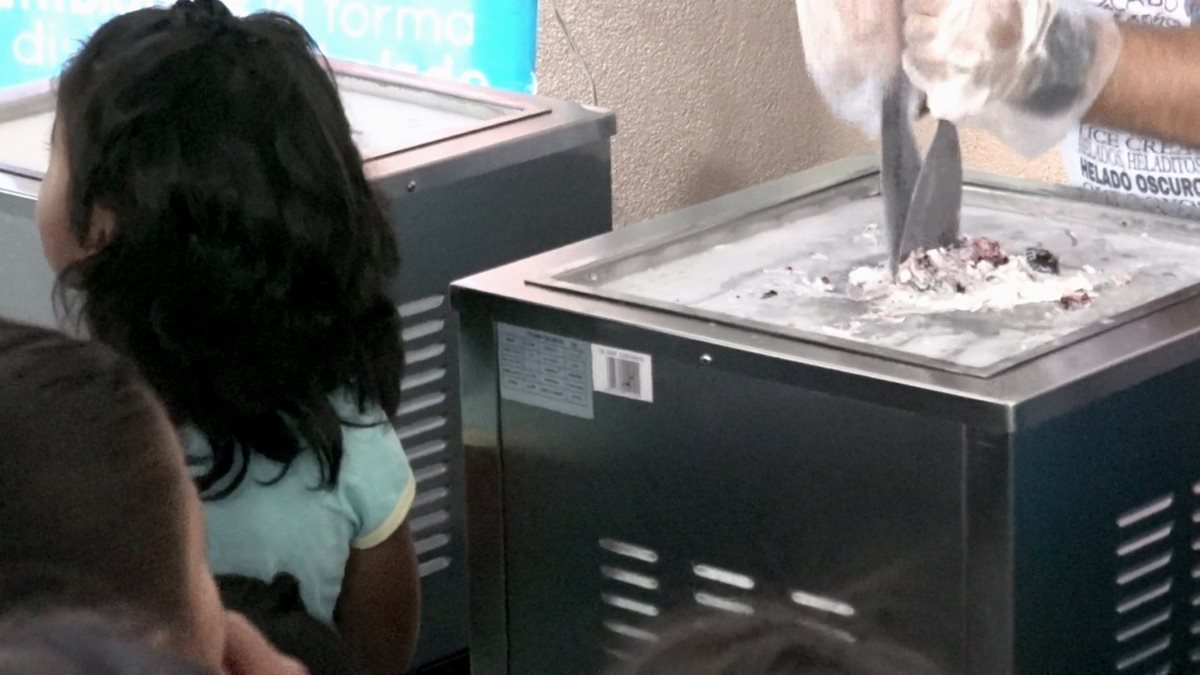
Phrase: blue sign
x=483 y=42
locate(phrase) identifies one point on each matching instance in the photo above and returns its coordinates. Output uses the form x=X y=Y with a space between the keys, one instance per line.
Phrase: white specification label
x=545 y=370
x=622 y=373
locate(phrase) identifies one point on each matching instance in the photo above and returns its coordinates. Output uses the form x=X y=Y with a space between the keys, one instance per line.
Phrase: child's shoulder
x=371 y=499
x=369 y=441
x=376 y=479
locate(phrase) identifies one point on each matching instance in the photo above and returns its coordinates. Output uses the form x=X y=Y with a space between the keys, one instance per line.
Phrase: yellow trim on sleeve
x=392 y=522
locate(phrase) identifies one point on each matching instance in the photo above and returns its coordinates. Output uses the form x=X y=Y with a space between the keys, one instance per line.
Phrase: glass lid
x=387 y=115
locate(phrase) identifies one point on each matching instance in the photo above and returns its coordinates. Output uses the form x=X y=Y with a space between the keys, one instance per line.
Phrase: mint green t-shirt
x=261 y=530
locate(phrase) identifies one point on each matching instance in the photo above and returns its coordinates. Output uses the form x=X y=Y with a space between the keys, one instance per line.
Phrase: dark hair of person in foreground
x=101 y=530
x=84 y=642
x=769 y=642
x=93 y=498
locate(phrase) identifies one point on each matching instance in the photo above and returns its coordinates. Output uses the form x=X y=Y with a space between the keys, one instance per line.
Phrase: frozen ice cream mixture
x=977 y=275
x=1027 y=273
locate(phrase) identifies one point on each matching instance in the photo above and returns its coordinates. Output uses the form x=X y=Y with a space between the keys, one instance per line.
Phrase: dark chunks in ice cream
x=1042 y=260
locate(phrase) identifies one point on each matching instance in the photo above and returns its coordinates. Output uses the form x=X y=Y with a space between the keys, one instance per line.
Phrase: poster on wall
x=490 y=43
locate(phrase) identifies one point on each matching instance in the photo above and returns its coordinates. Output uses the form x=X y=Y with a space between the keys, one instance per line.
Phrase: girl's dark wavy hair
x=246 y=270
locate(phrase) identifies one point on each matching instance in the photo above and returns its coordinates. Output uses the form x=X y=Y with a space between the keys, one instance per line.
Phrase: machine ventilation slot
x=1144 y=512
x=722 y=603
x=422 y=330
x=422 y=306
x=1150 y=538
x=627 y=604
x=422 y=423
x=421 y=403
x=430 y=544
x=723 y=589
x=424 y=451
x=430 y=523
x=1140 y=657
x=627 y=550
x=1139 y=571
x=421 y=427
x=631 y=600
x=415 y=356
x=1139 y=629
x=422 y=378
x=431 y=496
x=1143 y=598
x=431 y=472
x=621 y=576
x=420 y=524
x=629 y=596
x=1143 y=582
x=632 y=632
x=618 y=654
x=822 y=604
x=723 y=577
x=1193 y=617
x=433 y=566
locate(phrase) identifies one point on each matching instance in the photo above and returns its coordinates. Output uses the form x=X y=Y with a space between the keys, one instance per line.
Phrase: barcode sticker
x=621 y=373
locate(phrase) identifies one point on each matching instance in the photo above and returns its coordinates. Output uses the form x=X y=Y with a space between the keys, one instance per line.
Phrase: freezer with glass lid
x=472 y=178
x=994 y=456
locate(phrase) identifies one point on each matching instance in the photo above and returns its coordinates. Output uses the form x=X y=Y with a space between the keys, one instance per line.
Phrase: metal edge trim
x=987 y=573
x=441 y=163
x=486 y=550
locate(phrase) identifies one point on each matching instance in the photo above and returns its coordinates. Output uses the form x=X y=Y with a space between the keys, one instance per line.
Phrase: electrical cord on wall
x=587 y=70
x=619 y=215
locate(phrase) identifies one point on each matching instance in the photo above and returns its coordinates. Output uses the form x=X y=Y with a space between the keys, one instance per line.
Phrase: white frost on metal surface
x=825 y=273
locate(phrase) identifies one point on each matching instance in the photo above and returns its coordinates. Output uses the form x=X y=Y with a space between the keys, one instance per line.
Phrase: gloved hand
x=852 y=51
x=1026 y=70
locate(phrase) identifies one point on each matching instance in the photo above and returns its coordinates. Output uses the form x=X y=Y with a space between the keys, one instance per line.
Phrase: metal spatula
x=934 y=216
x=900 y=164
x=922 y=203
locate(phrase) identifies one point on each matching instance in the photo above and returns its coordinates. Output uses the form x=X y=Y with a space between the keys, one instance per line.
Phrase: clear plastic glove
x=852 y=51
x=1026 y=70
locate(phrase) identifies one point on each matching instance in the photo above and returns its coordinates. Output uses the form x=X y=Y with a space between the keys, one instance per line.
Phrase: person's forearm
x=1155 y=90
x=379 y=610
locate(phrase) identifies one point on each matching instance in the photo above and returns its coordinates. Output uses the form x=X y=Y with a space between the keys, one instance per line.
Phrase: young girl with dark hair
x=207 y=207
x=99 y=518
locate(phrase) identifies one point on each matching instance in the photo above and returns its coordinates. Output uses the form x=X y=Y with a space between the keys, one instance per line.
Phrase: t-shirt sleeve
x=376 y=481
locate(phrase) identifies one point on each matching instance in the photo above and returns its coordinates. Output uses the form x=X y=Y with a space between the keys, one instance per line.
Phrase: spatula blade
x=900 y=164
x=934 y=215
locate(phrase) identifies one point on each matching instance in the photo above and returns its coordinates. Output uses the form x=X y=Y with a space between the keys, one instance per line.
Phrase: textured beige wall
x=710 y=96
